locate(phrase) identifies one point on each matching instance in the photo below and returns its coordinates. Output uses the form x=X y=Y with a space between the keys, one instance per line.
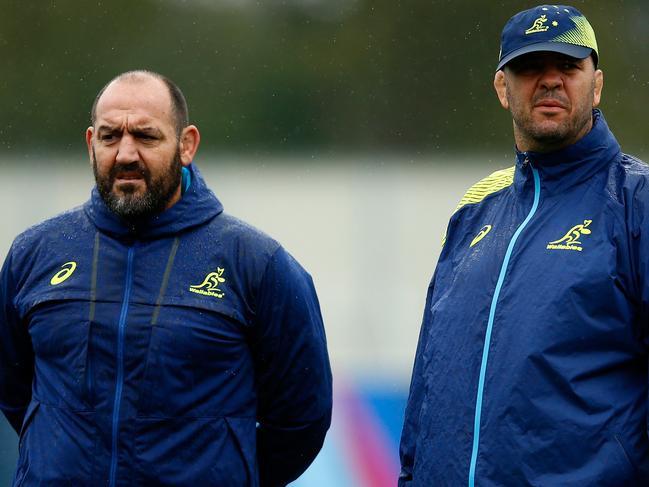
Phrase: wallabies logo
x=210 y=285
x=570 y=241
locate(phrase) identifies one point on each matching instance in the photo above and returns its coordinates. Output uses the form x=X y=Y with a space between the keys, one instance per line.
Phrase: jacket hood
x=577 y=162
x=196 y=206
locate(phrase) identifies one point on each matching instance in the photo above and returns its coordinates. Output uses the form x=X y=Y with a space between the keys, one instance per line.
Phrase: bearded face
x=138 y=146
x=152 y=193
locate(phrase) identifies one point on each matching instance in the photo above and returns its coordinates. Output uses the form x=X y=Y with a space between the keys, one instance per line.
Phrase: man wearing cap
x=531 y=367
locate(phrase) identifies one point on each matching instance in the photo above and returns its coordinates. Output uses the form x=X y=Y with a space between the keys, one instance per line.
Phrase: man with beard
x=148 y=338
x=531 y=367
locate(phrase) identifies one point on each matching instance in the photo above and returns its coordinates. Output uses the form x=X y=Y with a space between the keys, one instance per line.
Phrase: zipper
x=121 y=327
x=492 y=314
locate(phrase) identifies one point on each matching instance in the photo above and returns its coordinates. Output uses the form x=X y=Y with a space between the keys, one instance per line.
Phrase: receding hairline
x=176 y=98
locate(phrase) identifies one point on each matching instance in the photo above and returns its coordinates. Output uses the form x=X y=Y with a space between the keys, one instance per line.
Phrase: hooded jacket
x=188 y=350
x=531 y=367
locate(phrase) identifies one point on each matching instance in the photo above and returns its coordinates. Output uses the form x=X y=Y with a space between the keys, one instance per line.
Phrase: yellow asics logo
x=570 y=241
x=538 y=26
x=210 y=285
x=482 y=234
x=66 y=271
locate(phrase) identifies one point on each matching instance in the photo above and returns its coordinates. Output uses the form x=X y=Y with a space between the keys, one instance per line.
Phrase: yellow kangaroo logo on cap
x=482 y=234
x=538 y=26
x=66 y=271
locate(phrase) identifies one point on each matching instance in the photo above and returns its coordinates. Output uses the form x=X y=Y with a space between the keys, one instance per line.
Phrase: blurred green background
x=287 y=75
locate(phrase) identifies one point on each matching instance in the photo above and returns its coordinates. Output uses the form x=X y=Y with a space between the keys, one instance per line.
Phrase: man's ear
x=597 y=90
x=500 y=85
x=188 y=144
x=89 y=133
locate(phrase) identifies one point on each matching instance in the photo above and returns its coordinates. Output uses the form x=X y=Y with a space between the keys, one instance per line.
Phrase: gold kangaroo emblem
x=574 y=234
x=210 y=285
x=538 y=26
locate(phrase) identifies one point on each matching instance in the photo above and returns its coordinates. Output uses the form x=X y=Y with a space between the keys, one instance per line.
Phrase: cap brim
x=578 y=52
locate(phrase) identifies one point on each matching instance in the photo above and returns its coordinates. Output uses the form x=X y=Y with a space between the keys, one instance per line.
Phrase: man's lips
x=126 y=179
x=549 y=103
x=129 y=176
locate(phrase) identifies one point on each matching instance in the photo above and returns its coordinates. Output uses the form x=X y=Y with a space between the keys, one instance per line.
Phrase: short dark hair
x=178 y=102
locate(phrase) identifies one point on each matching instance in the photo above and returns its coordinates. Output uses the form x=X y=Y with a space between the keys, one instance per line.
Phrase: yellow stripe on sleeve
x=489 y=185
x=483 y=188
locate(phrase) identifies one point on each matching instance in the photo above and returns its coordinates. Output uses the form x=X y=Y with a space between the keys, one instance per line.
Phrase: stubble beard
x=126 y=202
x=551 y=135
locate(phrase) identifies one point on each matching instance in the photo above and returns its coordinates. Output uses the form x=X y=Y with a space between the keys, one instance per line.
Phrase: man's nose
x=127 y=150
x=551 y=78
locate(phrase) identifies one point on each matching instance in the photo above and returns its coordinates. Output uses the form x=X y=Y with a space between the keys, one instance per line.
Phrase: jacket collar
x=197 y=205
x=573 y=164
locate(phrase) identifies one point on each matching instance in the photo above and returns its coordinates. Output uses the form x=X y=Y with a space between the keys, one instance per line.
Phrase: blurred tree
x=297 y=75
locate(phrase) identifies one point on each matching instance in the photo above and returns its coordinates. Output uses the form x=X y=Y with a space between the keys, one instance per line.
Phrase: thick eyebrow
x=107 y=128
x=145 y=129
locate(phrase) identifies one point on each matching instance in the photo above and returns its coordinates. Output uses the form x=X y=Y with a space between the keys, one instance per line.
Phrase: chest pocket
x=198 y=362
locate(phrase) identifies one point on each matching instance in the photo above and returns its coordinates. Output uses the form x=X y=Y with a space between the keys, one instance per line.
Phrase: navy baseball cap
x=556 y=28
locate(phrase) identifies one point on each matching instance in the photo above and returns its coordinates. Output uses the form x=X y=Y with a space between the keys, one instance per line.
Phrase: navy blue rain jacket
x=188 y=351
x=531 y=368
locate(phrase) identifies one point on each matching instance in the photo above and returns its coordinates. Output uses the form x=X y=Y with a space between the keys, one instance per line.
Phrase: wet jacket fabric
x=187 y=351
x=531 y=367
